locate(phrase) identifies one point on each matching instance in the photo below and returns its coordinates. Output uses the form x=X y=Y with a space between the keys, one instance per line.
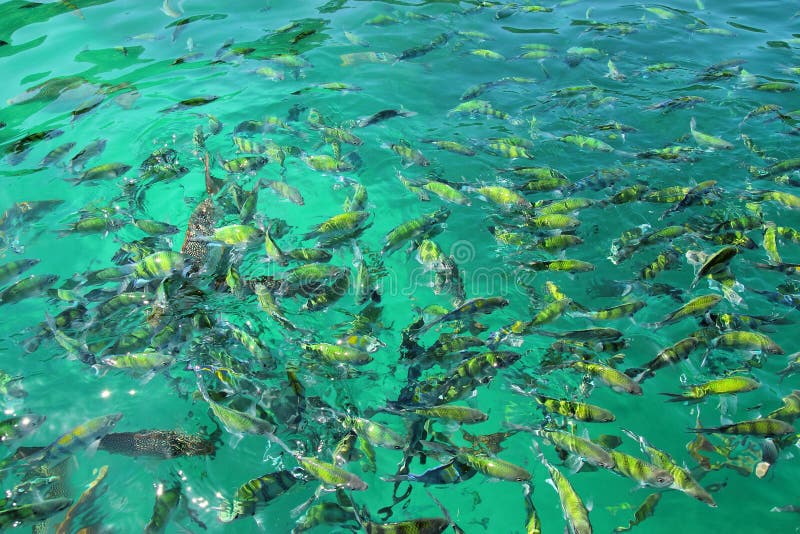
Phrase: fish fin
x=574 y=463
x=92 y=448
x=234 y=440
x=148 y=376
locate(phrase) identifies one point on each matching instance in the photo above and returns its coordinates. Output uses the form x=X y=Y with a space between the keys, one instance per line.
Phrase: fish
x=157 y=443
x=87 y=434
x=729 y=385
x=20 y=426
x=58 y=153
x=575 y=512
x=697 y=306
x=168 y=499
x=324 y=513
x=668 y=356
x=643 y=473
x=235 y=421
x=256 y=492
x=92 y=150
x=190 y=103
x=584 y=448
x=85 y=502
x=27 y=287
x=744 y=340
x=575 y=410
x=682 y=477
x=616 y=380
x=425 y=225
x=38 y=511
x=469 y=308
x=645 y=510
x=755 y=427
x=707 y=140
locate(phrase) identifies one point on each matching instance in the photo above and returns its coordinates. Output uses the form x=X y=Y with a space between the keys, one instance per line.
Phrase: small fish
x=583 y=141
x=19 y=426
x=55 y=155
x=682 y=477
x=329 y=474
x=426 y=225
x=286 y=191
x=448 y=412
x=235 y=421
x=494 y=467
x=695 y=307
x=586 y=449
x=190 y=103
x=377 y=434
x=572 y=506
x=728 y=385
x=85 y=503
x=155 y=228
x=640 y=471
x=575 y=410
x=39 y=511
x=166 y=503
x=452 y=472
x=256 y=492
x=93 y=149
x=84 y=435
x=668 y=356
x=645 y=510
x=14 y=268
x=245 y=164
x=503 y=196
x=707 y=140
x=29 y=286
x=338 y=353
x=611 y=377
x=755 y=427
x=409 y=154
x=744 y=340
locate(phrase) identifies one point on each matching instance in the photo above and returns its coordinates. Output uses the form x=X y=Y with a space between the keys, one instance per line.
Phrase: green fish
x=167 y=501
x=755 y=427
x=707 y=140
x=256 y=492
x=572 y=506
x=729 y=385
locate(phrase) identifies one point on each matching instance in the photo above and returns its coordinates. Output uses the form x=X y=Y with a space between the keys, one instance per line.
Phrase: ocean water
x=630 y=78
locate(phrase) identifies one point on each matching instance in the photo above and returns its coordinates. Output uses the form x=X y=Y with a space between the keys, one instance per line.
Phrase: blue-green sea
x=238 y=236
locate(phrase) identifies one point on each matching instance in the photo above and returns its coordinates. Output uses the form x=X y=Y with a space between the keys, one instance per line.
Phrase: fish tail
x=635 y=371
x=676 y=397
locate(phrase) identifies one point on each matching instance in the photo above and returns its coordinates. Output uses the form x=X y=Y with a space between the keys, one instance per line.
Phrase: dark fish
x=18 y=151
x=56 y=154
x=384 y=115
x=190 y=103
x=95 y=148
x=157 y=443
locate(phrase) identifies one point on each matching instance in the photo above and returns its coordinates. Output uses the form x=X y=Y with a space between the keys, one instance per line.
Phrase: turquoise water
x=117 y=71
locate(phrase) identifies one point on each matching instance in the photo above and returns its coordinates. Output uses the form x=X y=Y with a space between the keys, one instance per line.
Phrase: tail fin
x=678 y=397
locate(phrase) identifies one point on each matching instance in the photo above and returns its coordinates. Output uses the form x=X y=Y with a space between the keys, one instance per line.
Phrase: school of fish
x=276 y=316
